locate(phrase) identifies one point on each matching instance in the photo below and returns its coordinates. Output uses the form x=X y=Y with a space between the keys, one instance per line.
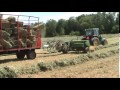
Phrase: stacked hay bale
x=6 y=40
x=5 y=24
x=10 y=34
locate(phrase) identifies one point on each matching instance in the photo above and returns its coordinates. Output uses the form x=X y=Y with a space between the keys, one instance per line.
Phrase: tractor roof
x=92 y=29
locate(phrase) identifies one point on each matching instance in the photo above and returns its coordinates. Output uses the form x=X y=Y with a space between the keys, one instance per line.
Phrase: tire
x=20 y=55
x=95 y=42
x=86 y=49
x=105 y=42
x=31 y=54
x=65 y=49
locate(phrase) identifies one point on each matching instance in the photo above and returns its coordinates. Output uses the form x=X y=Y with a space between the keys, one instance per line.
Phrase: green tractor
x=94 y=37
x=91 y=37
x=76 y=45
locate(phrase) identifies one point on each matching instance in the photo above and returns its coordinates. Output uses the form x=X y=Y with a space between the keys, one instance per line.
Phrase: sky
x=45 y=16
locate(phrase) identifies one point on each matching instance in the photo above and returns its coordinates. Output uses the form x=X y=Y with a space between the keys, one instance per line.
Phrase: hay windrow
x=7 y=72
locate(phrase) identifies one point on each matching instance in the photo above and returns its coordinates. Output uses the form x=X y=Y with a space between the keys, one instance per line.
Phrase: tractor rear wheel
x=31 y=54
x=20 y=55
x=96 y=42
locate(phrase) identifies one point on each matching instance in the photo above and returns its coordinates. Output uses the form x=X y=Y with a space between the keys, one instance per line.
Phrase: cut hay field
x=27 y=68
x=102 y=68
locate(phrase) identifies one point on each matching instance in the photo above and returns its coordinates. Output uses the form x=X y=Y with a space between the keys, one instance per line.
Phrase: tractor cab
x=94 y=37
x=90 y=33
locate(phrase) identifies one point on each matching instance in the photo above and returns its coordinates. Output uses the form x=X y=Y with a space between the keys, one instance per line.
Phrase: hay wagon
x=19 y=38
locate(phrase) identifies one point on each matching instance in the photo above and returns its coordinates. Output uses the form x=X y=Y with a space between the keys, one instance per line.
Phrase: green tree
x=60 y=29
x=51 y=28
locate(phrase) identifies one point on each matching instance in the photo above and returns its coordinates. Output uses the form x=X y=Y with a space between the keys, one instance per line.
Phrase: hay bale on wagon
x=6 y=44
x=24 y=33
x=32 y=38
x=29 y=42
x=5 y=35
x=11 y=19
x=23 y=42
x=34 y=32
x=20 y=24
x=5 y=24
x=8 y=30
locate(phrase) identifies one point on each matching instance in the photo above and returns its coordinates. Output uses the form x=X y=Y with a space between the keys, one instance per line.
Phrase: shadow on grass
x=46 y=55
x=10 y=60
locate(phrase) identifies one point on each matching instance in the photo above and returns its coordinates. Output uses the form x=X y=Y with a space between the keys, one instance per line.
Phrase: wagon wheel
x=31 y=54
x=20 y=55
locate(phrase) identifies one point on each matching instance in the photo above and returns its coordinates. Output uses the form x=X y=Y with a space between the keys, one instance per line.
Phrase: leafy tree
x=60 y=29
x=51 y=28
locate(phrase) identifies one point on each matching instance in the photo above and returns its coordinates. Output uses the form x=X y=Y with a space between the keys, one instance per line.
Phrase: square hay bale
x=24 y=33
x=6 y=44
x=19 y=23
x=8 y=30
x=29 y=42
x=11 y=19
x=15 y=43
x=34 y=32
x=5 y=25
x=5 y=35
x=32 y=38
x=22 y=43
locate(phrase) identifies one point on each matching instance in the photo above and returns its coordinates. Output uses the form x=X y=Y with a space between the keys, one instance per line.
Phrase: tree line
x=107 y=22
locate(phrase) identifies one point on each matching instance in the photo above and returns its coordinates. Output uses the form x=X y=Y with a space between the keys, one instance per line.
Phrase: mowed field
x=102 y=68
x=106 y=67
